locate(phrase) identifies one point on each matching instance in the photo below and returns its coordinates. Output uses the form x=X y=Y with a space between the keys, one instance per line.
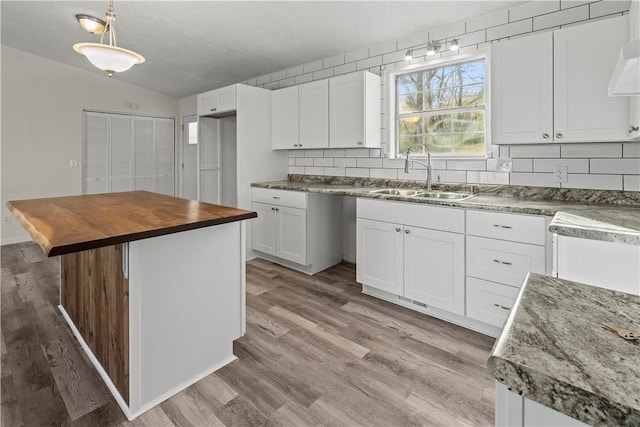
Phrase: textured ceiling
x=195 y=46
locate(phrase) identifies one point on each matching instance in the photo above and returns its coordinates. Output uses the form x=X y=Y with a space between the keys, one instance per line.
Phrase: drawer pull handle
x=407 y=231
x=502 y=262
x=397 y=229
x=502 y=307
x=502 y=226
x=276 y=197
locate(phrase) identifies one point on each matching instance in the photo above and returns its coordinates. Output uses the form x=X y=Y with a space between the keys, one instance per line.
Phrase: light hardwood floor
x=316 y=352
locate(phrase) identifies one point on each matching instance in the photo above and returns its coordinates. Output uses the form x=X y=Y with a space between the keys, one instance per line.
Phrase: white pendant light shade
x=107 y=57
x=111 y=59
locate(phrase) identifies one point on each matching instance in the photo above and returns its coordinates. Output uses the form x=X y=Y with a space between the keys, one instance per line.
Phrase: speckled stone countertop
x=594 y=214
x=554 y=351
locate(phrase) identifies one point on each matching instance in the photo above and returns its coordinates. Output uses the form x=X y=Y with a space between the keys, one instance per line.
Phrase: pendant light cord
x=111 y=16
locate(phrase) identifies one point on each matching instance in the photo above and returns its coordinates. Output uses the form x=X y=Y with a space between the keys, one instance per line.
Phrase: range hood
x=625 y=80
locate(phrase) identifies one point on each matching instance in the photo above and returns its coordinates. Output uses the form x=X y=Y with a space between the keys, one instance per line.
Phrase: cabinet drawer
x=503 y=262
x=414 y=214
x=489 y=302
x=293 y=199
x=514 y=227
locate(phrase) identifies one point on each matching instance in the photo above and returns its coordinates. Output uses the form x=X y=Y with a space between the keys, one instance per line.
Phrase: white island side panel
x=186 y=308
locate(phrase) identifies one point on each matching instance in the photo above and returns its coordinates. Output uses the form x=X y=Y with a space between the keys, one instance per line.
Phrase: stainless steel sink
x=442 y=195
x=397 y=192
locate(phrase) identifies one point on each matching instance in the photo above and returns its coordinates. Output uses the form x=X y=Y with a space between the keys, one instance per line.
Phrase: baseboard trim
x=14 y=240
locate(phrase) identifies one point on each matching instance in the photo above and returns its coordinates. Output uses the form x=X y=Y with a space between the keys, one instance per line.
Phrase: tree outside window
x=444 y=108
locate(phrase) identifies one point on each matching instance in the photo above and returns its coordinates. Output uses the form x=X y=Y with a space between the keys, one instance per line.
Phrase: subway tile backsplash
x=610 y=165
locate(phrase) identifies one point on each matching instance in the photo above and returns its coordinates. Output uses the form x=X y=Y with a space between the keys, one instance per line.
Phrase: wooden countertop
x=63 y=225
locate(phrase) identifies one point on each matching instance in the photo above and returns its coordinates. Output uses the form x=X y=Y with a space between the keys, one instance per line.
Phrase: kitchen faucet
x=407 y=162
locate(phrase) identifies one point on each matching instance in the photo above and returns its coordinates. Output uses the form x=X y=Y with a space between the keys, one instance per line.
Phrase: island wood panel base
x=95 y=295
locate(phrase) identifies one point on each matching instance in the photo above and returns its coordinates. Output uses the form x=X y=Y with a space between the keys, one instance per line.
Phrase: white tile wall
x=596 y=165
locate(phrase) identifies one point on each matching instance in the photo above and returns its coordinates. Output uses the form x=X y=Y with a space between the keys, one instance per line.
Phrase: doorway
x=189 y=157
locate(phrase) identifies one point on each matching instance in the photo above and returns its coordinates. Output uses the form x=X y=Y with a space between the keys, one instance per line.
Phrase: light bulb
x=408 y=55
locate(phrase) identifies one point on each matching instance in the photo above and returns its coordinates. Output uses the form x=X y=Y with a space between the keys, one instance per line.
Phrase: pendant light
x=108 y=57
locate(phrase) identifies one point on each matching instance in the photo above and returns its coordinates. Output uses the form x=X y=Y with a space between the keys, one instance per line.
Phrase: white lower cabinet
x=434 y=268
x=379 y=255
x=300 y=230
x=281 y=231
x=409 y=259
x=608 y=265
x=489 y=302
x=502 y=248
x=514 y=410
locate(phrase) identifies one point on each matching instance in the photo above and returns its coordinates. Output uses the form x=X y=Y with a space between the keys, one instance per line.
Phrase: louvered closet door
x=120 y=154
x=95 y=164
x=164 y=156
x=143 y=154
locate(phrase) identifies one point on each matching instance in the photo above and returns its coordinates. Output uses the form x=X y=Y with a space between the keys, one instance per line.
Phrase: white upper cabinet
x=313 y=102
x=354 y=111
x=284 y=116
x=552 y=87
x=217 y=101
x=584 y=57
x=522 y=90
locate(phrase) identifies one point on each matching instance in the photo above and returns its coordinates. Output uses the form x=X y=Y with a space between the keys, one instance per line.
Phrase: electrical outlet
x=560 y=174
x=6 y=219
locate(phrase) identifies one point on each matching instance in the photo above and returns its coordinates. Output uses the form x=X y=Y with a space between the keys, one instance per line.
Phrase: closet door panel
x=143 y=154
x=95 y=164
x=120 y=158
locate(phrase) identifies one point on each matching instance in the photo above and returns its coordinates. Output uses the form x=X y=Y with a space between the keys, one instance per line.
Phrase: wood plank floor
x=316 y=352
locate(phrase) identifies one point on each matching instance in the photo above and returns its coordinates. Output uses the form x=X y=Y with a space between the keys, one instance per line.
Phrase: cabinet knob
x=277 y=210
x=213 y=109
x=295 y=145
x=633 y=129
x=359 y=142
x=407 y=231
x=299 y=145
x=558 y=135
x=273 y=209
x=397 y=229
x=545 y=135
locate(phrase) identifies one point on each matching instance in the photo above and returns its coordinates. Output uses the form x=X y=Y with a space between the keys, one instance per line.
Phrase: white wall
x=607 y=166
x=42 y=125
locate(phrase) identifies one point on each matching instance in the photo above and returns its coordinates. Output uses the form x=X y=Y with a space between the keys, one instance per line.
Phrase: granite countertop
x=554 y=351
x=612 y=216
x=62 y=225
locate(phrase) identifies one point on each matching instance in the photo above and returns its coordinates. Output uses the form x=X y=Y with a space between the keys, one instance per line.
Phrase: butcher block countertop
x=63 y=225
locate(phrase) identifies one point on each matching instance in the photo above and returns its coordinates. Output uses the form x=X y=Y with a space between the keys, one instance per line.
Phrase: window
x=442 y=106
x=192 y=131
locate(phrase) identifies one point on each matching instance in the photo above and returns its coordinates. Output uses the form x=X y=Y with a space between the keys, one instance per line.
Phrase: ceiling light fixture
x=108 y=57
x=91 y=24
x=434 y=47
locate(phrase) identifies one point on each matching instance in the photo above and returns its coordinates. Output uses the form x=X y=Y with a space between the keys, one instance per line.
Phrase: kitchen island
x=152 y=286
x=554 y=353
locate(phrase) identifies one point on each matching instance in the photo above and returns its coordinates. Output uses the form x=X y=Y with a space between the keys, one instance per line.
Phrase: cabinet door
x=434 y=268
x=379 y=255
x=584 y=57
x=346 y=111
x=217 y=101
x=263 y=228
x=292 y=234
x=314 y=114
x=522 y=90
x=284 y=118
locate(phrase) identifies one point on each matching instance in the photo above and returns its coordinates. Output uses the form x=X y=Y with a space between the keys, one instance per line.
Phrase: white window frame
x=390 y=102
